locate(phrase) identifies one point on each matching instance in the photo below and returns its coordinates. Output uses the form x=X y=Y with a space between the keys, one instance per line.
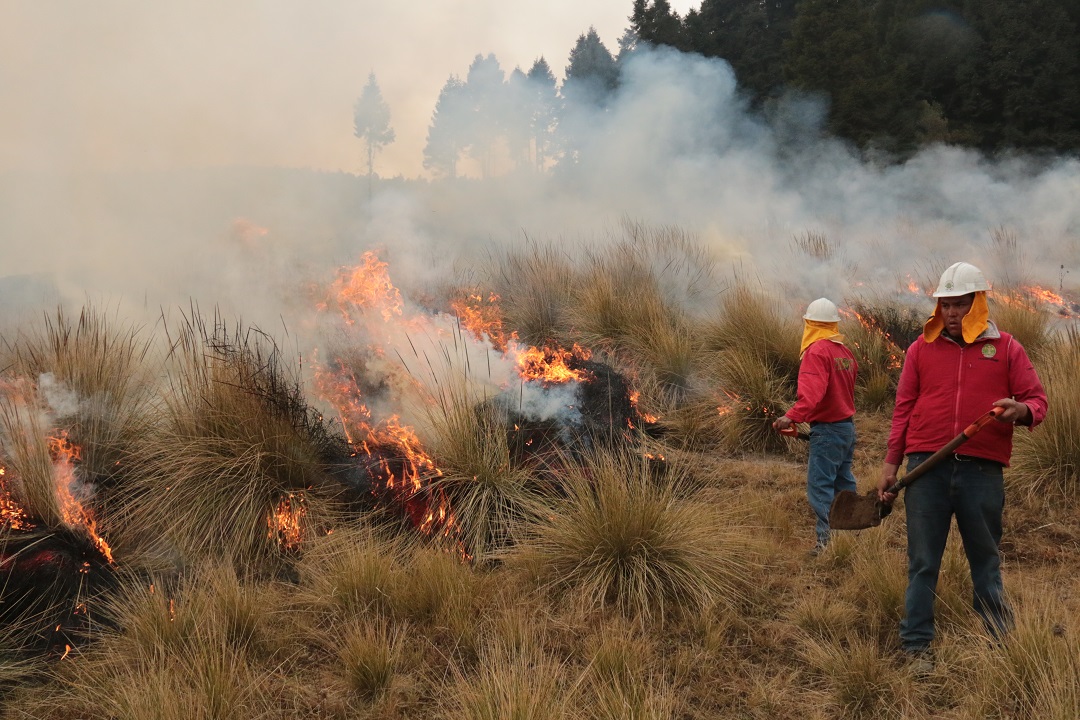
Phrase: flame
x=394 y=455
x=246 y=232
x=367 y=286
x=13 y=516
x=552 y=366
x=1062 y=305
x=286 y=521
x=635 y=395
x=65 y=454
x=483 y=318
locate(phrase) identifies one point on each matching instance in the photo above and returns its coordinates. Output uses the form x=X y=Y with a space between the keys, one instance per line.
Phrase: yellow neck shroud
x=974 y=324
x=814 y=330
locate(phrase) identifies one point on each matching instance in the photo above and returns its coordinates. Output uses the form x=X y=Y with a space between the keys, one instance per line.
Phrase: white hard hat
x=961 y=279
x=822 y=310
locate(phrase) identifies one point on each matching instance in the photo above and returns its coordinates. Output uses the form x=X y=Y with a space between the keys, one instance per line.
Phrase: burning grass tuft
x=879 y=358
x=236 y=441
x=900 y=323
x=626 y=537
x=752 y=394
x=486 y=492
x=94 y=380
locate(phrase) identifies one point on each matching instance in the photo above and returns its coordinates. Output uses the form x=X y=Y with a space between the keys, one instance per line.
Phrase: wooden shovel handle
x=950 y=447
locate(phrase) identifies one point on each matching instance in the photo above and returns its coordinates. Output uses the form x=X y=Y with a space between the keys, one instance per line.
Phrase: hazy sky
x=262 y=82
x=153 y=85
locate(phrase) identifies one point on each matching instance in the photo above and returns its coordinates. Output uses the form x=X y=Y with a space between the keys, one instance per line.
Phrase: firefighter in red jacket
x=960 y=368
x=826 y=400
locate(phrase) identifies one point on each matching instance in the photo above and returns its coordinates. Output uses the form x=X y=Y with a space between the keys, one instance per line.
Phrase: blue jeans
x=829 y=469
x=973 y=490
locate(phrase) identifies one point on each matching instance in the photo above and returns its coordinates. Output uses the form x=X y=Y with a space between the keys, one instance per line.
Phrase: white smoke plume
x=676 y=145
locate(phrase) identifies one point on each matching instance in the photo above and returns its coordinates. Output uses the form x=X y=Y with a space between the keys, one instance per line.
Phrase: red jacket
x=826 y=384
x=944 y=387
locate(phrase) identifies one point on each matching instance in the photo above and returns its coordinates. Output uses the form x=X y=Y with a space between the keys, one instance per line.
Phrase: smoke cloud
x=161 y=155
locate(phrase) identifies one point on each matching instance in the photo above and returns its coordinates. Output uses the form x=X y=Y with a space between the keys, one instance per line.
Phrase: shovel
x=851 y=511
x=794 y=432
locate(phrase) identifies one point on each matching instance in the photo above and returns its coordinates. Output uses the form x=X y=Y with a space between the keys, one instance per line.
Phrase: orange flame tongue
x=367 y=286
x=1062 y=305
x=483 y=318
x=285 y=522
x=12 y=515
x=552 y=366
x=65 y=454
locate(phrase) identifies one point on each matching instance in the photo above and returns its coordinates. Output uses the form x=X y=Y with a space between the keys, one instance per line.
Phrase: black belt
x=972 y=458
x=850 y=418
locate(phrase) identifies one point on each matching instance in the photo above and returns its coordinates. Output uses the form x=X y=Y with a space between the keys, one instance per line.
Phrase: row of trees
x=989 y=74
x=897 y=74
x=495 y=120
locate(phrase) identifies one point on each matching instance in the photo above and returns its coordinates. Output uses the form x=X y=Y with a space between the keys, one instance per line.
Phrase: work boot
x=921 y=662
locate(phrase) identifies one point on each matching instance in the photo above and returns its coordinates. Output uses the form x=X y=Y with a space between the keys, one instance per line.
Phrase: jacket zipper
x=959 y=388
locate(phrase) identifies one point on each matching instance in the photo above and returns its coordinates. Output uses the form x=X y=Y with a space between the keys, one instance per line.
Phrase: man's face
x=953 y=310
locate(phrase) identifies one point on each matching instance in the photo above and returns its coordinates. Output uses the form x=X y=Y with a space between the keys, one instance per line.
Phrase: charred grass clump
x=74 y=400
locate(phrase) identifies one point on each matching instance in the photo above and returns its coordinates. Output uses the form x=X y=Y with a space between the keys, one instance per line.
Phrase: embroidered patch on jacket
x=988 y=350
x=843 y=363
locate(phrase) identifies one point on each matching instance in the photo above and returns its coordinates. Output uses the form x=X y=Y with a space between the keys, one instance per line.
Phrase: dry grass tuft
x=751 y=320
x=1046 y=461
x=621 y=678
x=534 y=288
x=627 y=539
x=1035 y=672
x=861 y=680
x=1018 y=314
x=371 y=653
x=508 y=683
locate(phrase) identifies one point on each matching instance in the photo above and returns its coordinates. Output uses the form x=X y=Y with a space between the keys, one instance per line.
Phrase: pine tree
x=371 y=121
x=448 y=130
x=592 y=74
x=545 y=111
x=657 y=23
x=487 y=98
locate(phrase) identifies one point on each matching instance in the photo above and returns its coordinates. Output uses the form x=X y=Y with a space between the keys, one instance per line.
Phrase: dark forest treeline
x=989 y=74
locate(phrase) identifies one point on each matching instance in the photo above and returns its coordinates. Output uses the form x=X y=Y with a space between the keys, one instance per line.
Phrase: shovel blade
x=851 y=511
